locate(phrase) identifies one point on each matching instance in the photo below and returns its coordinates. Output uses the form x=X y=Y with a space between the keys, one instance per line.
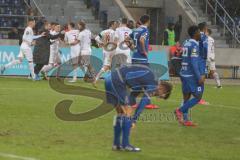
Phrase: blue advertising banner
x=10 y=53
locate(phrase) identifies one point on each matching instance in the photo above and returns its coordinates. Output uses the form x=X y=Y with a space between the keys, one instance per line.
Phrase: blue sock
x=126 y=127
x=117 y=128
x=188 y=105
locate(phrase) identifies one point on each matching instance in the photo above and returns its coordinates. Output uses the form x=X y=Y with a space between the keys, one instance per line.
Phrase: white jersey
x=85 y=41
x=121 y=33
x=54 y=47
x=211 y=49
x=71 y=36
x=106 y=36
x=27 y=38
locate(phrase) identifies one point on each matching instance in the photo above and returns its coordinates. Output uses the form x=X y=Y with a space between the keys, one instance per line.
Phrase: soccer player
x=141 y=41
x=54 y=58
x=191 y=77
x=84 y=37
x=203 y=52
x=117 y=85
x=123 y=50
x=25 y=48
x=71 y=38
x=211 y=59
x=103 y=39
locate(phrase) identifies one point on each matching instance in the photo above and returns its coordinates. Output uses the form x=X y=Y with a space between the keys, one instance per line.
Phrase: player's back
x=107 y=35
x=190 y=57
x=71 y=35
x=85 y=39
x=138 y=76
x=143 y=32
x=122 y=33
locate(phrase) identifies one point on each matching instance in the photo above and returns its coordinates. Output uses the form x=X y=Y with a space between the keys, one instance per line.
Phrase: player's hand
x=202 y=80
x=43 y=34
x=145 y=53
x=100 y=45
x=33 y=43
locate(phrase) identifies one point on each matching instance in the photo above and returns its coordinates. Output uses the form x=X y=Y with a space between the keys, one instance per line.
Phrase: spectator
x=176 y=58
x=169 y=35
x=178 y=29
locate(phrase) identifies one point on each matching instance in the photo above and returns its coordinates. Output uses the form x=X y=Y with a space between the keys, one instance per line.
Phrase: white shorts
x=54 y=57
x=212 y=65
x=75 y=54
x=27 y=53
x=107 y=58
x=127 y=53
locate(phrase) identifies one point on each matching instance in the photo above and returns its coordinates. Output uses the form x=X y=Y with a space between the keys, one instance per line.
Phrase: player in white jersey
x=54 y=58
x=71 y=38
x=121 y=34
x=211 y=59
x=104 y=38
x=84 y=37
x=25 y=48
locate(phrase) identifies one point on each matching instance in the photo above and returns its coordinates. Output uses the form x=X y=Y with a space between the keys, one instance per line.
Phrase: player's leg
x=117 y=129
x=127 y=124
x=106 y=67
x=75 y=55
x=29 y=56
x=214 y=74
x=14 y=62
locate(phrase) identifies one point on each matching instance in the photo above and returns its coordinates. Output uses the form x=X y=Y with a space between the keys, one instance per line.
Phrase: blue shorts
x=116 y=91
x=190 y=85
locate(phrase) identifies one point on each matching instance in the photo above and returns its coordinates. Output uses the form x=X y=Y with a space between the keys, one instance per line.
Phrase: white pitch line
x=6 y=155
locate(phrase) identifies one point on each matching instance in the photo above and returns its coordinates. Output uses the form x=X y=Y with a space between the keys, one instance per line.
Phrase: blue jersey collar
x=193 y=40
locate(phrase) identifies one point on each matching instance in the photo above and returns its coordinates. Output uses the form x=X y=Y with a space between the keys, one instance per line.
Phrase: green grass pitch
x=30 y=128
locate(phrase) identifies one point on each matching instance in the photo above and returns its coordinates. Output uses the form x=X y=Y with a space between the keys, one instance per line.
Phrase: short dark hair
x=56 y=24
x=209 y=31
x=144 y=19
x=202 y=25
x=111 y=23
x=192 y=30
x=72 y=24
x=168 y=89
x=53 y=23
x=83 y=24
x=124 y=20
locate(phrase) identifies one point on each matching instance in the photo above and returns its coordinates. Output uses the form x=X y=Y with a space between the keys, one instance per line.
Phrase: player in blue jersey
x=140 y=37
x=191 y=77
x=203 y=52
x=119 y=84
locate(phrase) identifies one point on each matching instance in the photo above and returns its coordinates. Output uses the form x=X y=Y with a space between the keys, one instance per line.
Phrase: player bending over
x=103 y=39
x=117 y=84
x=211 y=59
x=25 y=48
x=192 y=80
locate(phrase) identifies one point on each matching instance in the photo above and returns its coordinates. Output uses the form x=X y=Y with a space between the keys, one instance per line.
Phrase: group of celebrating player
x=131 y=72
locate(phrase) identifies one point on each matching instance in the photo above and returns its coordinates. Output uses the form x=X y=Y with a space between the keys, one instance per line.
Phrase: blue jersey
x=139 y=78
x=191 y=60
x=138 y=55
x=203 y=46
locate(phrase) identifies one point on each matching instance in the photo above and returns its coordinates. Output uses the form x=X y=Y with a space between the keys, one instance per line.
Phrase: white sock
x=99 y=74
x=47 y=68
x=31 y=68
x=216 y=78
x=12 y=63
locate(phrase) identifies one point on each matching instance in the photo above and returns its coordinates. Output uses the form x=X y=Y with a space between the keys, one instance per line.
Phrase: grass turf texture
x=29 y=127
